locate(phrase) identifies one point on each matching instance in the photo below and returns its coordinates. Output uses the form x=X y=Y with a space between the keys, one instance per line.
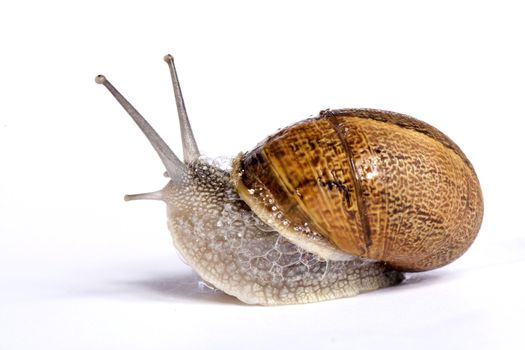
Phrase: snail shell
x=375 y=184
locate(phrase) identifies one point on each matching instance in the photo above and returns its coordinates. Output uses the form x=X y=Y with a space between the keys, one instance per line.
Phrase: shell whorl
x=378 y=185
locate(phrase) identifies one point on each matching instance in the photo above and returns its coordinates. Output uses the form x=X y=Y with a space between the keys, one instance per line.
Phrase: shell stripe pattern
x=355 y=181
x=377 y=184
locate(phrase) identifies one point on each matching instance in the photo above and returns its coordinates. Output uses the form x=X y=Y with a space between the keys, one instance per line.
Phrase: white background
x=81 y=269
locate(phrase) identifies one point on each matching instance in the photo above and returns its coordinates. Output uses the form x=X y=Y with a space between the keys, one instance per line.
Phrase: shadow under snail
x=329 y=207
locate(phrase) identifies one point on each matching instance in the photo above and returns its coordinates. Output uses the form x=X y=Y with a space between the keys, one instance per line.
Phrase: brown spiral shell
x=377 y=184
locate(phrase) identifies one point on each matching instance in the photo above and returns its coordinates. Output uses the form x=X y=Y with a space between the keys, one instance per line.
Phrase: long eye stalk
x=174 y=166
x=189 y=145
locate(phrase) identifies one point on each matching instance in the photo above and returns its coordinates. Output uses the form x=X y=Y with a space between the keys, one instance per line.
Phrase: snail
x=337 y=204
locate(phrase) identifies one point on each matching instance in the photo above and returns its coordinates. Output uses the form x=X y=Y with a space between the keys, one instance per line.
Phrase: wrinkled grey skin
x=229 y=247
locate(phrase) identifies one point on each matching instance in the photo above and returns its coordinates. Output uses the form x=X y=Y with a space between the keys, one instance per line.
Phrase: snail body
x=231 y=248
x=328 y=207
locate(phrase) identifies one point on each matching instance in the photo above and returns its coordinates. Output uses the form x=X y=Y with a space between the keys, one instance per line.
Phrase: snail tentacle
x=174 y=166
x=189 y=144
x=156 y=195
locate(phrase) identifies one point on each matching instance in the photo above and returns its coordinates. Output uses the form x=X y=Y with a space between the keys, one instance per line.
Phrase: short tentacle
x=157 y=195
